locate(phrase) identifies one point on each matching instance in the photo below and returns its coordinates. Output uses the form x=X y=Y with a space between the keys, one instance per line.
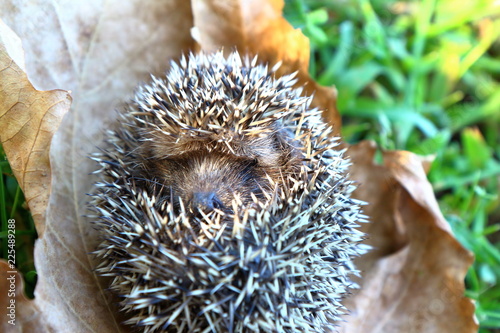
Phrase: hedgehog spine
x=224 y=205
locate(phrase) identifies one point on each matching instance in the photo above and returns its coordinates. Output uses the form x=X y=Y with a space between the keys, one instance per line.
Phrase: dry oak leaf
x=413 y=280
x=99 y=51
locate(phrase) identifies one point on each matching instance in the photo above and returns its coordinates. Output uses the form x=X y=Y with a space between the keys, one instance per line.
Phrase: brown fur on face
x=205 y=173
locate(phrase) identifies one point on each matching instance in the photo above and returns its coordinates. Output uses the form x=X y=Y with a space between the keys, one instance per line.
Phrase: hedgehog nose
x=205 y=201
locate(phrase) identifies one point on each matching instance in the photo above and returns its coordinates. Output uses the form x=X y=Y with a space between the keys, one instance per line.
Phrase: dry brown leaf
x=101 y=50
x=13 y=307
x=28 y=120
x=258 y=28
x=413 y=279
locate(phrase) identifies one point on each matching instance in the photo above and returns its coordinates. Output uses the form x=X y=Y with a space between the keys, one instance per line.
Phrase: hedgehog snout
x=205 y=200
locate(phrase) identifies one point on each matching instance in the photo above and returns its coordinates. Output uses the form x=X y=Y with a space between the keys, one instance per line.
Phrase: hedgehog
x=224 y=205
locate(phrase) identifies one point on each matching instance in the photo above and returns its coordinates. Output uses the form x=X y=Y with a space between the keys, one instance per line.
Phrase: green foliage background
x=424 y=76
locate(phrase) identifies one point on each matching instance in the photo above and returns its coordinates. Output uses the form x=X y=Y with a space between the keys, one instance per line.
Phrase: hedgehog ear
x=287 y=146
x=283 y=140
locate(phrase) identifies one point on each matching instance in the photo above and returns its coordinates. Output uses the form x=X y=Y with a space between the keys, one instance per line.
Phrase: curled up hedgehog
x=224 y=206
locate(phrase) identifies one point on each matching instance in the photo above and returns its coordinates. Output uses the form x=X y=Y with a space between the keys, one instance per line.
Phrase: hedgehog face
x=209 y=174
x=208 y=180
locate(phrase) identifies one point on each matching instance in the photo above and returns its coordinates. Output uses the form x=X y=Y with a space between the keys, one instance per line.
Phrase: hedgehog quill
x=224 y=206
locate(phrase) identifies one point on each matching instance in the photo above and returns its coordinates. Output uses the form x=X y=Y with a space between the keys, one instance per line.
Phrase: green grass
x=13 y=206
x=424 y=76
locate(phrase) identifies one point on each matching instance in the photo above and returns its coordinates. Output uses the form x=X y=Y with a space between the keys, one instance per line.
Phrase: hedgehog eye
x=247 y=169
x=217 y=203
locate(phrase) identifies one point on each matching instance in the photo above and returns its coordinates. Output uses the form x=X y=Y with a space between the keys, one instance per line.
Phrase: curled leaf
x=413 y=278
x=18 y=313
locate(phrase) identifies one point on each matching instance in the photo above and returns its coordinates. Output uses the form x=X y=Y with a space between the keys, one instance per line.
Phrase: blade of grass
x=451 y=182
x=421 y=26
x=3 y=212
x=462 y=18
x=490 y=33
x=16 y=201
x=341 y=57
